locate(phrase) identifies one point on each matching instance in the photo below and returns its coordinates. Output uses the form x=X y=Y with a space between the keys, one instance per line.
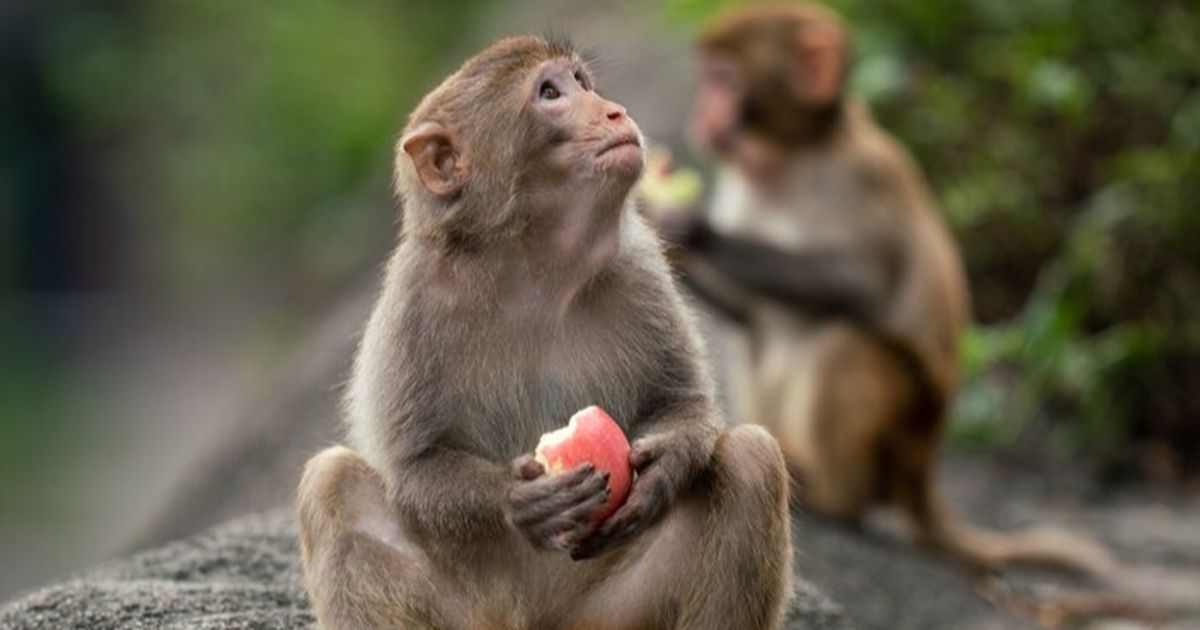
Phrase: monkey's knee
x=752 y=493
x=749 y=463
x=332 y=481
x=360 y=569
x=751 y=528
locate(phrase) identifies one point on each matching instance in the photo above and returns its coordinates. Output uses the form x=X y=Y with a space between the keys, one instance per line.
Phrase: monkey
x=524 y=287
x=823 y=244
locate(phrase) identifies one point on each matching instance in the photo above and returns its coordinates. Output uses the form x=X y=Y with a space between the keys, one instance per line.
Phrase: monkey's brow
x=574 y=65
x=560 y=44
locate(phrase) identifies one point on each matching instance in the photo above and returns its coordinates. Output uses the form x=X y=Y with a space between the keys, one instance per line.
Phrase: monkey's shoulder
x=880 y=166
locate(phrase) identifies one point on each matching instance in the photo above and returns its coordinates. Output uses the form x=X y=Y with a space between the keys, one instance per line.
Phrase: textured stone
x=244 y=574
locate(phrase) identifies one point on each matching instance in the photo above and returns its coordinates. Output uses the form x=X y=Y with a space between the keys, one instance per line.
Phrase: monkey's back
x=932 y=307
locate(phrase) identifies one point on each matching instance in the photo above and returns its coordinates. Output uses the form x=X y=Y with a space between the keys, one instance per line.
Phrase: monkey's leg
x=361 y=570
x=746 y=556
x=720 y=559
x=860 y=394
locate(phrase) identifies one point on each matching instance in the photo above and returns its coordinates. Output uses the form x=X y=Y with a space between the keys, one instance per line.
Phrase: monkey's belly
x=790 y=375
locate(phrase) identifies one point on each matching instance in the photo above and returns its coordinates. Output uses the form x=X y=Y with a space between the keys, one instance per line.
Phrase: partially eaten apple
x=590 y=436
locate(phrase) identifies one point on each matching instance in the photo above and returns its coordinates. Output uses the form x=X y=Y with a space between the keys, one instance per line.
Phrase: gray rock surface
x=244 y=574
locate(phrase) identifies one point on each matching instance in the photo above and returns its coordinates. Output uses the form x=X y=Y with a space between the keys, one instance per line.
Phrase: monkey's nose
x=615 y=113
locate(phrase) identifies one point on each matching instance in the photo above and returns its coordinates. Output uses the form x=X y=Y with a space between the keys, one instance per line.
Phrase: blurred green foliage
x=250 y=143
x=1062 y=137
x=244 y=148
x=250 y=138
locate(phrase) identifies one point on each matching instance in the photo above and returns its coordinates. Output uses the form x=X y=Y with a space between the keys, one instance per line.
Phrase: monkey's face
x=769 y=75
x=577 y=132
x=717 y=112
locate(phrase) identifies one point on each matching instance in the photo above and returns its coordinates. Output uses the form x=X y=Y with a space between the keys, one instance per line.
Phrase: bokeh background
x=186 y=188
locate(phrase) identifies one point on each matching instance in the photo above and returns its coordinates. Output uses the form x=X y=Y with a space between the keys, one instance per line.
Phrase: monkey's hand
x=676 y=227
x=662 y=471
x=555 y=511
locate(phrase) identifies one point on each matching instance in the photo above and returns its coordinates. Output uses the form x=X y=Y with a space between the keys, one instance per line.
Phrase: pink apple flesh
x=590 y=436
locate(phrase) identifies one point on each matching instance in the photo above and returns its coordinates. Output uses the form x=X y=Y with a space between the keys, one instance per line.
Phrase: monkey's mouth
x=629 y=140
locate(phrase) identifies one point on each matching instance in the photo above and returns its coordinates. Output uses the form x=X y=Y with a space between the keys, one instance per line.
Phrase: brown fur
x=525 y=288
x=852 y=368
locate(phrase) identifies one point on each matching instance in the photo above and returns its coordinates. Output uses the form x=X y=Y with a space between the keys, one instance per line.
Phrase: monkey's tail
x=985 y=549
x=1044 y=547
x=941 y=527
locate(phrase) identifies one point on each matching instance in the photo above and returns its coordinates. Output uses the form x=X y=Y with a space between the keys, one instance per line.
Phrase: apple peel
x=591 y=436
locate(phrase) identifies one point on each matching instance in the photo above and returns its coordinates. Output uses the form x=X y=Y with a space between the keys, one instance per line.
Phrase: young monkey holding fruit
x=524 y=289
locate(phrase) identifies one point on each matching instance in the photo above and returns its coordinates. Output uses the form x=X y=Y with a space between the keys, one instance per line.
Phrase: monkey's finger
x=576 y=475
x=567 y=498
x=551 y=489
x=550 y=484
x=581 y=513
x=554 y=499
x=597 y=543
x=589 y=548
x=527 y=467
x=644 y=451
x=564 y=531
x=550 y=532
x=535 y=504
x=619 y=527
x=595 y=489
x=622 y=519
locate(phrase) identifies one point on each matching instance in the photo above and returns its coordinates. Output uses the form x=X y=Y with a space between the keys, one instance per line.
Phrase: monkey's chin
x=625 y=161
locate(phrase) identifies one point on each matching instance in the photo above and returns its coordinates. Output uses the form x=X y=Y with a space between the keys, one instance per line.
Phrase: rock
x=244 y=574
x=810 y=609
x=886 y=583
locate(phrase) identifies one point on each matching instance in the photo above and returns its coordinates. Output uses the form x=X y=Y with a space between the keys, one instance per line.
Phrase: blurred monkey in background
x=822 y=241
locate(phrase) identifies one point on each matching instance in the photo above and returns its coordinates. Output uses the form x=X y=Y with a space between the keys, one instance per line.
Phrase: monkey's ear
x=818 y=65
x=435 y=153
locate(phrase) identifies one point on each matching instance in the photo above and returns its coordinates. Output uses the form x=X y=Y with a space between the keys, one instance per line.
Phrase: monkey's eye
x=582 y=80
x=549 y=92
x=722 y=76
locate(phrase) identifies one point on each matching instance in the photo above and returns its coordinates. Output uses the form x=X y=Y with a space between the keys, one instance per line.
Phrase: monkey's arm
x=463 y=497
x=701 y=279
x=451 y=492
x=676 y=437
x=845 y=282
x=715 y=288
